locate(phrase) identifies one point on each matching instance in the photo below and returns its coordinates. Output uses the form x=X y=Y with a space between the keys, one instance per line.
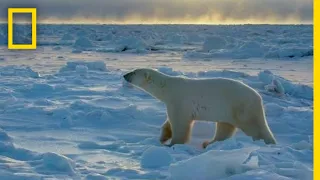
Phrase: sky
x=167 y=11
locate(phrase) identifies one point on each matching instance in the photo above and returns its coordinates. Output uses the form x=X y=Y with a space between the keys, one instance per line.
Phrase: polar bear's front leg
x=166 y=132
x=181 y=128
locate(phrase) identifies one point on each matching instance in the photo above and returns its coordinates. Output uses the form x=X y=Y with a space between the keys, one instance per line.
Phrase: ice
x=211 y=165
x=302 y=145
x=67 y=113
x=250 y=49
x=46 y=163
x=289 y=52
x=284 y=85
x=95 y=177
x=18 y=71
x=257 y=175
x=67 y=37
x=76 y=51
x=107 y=37
x=83 y=43
x=169 y=71
x=84 y=66
x=57 y=48
x=21 y=39
x=3 y=39
x=82 y=33
x=155 y=157
x=276 y=87
x=82 y=70
x=214 y=43
x=127 y=44
x=229 y=144
x=273 y=109
x=176 y=39
x=4 y=136
x=194 y=38
x=55 y=162
x=298 y=171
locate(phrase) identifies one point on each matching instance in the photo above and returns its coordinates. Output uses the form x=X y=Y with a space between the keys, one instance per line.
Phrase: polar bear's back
x=220 y=86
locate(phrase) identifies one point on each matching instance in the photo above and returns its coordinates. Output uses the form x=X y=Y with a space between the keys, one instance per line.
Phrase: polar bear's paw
x=164 y=139
x=205 y=144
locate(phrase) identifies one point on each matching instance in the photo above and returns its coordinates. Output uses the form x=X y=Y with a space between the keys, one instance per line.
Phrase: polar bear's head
x=141 y=77
x=149 y=80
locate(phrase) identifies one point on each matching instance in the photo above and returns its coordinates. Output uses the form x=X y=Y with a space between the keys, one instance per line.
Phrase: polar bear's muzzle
x=128 y=76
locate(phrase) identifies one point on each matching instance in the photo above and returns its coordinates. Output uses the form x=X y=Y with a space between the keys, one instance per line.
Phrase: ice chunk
x=131 y=43
x=52 y=162
x=212 y=165
x=82 y=70
x=302 y=145
x=83 y=43
x=155 y=157
x=93 y=66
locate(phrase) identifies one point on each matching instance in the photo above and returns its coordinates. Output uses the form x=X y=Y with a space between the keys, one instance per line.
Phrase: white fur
x=229 y=103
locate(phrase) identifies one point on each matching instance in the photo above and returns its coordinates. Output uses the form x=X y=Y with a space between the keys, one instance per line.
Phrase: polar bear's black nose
x=128 y=77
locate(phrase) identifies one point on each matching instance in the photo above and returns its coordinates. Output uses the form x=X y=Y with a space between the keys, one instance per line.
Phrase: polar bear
x=229 y=103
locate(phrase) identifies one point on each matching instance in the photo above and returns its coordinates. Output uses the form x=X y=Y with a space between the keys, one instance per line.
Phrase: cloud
x=168 y=11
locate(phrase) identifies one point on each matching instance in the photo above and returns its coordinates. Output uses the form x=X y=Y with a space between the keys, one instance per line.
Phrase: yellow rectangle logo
x=33 y=12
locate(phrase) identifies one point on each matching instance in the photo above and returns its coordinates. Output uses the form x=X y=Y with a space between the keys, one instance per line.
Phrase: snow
x=67 y=113
x=213 y=165
x=155 y=157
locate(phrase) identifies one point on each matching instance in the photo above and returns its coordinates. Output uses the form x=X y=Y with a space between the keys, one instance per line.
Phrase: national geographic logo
x=33 y=12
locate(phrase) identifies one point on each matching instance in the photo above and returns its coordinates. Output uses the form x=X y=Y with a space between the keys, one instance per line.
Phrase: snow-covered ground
x=66 y=112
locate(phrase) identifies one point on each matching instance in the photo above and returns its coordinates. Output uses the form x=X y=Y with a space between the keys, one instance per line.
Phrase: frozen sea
x=66 y=112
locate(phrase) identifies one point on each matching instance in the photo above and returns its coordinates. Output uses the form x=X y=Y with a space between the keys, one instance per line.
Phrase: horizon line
x=207 y=24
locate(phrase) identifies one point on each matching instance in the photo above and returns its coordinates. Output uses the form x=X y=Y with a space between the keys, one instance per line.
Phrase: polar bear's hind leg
x=257 y=127
x=223 y=132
